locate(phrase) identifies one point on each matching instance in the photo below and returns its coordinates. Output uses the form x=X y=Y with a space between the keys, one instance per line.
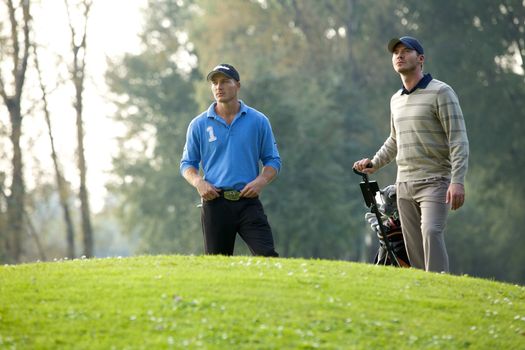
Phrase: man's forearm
x=267 y=174
x=192 y=176
x=385 y=154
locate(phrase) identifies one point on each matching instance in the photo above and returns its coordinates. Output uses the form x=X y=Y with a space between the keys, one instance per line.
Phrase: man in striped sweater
x=429 y=141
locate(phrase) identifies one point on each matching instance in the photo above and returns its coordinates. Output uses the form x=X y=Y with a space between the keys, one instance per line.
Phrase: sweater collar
x=422 y=84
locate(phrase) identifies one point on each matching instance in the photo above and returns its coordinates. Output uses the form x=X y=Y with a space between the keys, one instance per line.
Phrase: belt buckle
x=232 y=195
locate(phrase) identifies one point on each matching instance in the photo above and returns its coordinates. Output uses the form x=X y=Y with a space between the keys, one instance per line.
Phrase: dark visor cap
x=225 y=69
x=408 y=41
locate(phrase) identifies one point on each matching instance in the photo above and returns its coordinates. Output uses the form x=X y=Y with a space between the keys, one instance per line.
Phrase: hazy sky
x=112 y=30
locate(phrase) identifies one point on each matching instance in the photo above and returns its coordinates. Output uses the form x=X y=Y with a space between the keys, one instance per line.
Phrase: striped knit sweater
x=428 y=138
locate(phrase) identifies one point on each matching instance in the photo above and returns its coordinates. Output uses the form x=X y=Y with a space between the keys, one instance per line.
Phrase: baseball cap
x=225 y=69
x=408 y=41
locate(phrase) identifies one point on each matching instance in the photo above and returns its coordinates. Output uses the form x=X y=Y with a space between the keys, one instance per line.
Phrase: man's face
x=406 y=60
x=224 y=88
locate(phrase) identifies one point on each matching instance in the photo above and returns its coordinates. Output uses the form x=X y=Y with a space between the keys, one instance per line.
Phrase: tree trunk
x=3 y=221
x=15 y=201
x=16 y=198
x=78 y=73
x=62 y=187
x=83 y=193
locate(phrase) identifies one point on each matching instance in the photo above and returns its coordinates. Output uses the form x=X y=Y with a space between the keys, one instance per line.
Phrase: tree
x=11 y=90
x=61 y=183
x=77 y=71
x=4 y=243
x=156 y=102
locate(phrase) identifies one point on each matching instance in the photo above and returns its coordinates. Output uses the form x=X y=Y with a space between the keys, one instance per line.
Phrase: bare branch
x=61 y=183
x=83 y=45
x=77 y=74
x=20 y=73
x=2 y=91
x=14 y=36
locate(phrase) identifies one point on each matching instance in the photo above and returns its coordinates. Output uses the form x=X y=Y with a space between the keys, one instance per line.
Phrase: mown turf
x=203 y=302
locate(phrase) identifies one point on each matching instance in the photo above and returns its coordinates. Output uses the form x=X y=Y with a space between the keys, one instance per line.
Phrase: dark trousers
x=223 y=219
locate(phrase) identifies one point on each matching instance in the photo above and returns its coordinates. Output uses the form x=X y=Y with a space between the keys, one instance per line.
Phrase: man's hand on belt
x=254 y=188
x=207 y=191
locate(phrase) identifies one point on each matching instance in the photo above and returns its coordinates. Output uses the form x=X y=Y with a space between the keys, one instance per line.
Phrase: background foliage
x=321 y=72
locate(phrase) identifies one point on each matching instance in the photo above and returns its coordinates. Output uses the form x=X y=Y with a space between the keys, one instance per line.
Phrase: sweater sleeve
x=388 y=151
x=451 y=117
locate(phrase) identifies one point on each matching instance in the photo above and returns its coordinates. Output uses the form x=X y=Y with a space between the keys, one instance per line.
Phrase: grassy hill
x=205 y=302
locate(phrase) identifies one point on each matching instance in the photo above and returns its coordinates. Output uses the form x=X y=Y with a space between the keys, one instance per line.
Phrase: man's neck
x=411 y=80
x=228 y=110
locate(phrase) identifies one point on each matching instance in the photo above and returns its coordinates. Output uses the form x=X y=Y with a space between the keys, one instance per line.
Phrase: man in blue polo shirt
x=229 y=141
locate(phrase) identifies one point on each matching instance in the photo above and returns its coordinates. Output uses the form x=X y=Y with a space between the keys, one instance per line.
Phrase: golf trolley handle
x=364 y=175
x=369 y=189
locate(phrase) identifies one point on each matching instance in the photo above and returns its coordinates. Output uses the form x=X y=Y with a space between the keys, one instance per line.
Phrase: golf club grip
x=369 y=165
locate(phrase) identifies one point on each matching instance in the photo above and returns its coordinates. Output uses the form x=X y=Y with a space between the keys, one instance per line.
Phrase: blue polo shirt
x=230 y=154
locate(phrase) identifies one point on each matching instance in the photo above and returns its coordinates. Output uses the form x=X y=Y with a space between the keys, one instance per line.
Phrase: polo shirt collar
x=422 y=84
x=211 y=110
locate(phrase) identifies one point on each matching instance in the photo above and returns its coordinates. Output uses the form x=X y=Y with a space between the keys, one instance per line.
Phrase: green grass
x=204 y=302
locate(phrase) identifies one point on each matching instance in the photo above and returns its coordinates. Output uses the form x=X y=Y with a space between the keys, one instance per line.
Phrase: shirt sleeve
x=191 y=156
x=451 y=117
x=269 y=152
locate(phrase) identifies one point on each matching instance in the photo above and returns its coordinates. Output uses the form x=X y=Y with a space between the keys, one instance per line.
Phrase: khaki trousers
x=423 y=213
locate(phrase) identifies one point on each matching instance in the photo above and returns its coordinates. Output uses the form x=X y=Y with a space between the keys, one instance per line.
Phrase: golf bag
x=384 y=221
x=392 y=227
